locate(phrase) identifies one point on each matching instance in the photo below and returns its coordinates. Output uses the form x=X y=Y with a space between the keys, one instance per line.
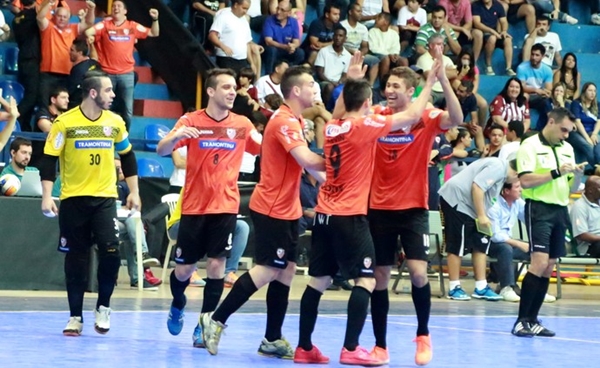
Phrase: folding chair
x=171 y=201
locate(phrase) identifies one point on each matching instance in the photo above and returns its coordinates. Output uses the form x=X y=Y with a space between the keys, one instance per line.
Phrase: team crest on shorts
x=367 y=262
x=107 y=131
x=280 y=252
x=63 y=241
x=231 y=133
x=178 y=252
x=484 y=240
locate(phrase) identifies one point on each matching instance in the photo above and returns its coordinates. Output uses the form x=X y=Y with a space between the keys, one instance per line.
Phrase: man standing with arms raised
x=398 y=206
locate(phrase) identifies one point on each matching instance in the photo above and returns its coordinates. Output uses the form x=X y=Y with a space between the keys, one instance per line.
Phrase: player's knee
x=419 y=279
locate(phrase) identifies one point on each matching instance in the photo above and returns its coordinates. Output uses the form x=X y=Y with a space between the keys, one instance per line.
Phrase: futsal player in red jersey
x=216 y=140
x=275 y=210
x=398 y=204
x=341 y=239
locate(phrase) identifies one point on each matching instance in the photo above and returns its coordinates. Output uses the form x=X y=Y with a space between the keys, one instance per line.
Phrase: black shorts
x=341 y=243
x=411 y=225
x=499 y=41
x=547 y=225
x=204 y=235
x=87 y=220
x=461 y=232
x=275 y=240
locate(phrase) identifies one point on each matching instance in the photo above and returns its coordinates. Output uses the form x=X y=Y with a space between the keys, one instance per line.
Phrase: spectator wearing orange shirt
x=17 y=7
x=115 y=38
x=57 y=36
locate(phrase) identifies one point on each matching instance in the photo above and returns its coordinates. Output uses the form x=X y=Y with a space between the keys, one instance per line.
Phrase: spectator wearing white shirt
x=550 y=40
x=357 y=39
x=514 y=132
x=269 y=84
x=231 y=35
x=370 y=10
x=585 y=217
x=425 y=62
x=384 y=44
x=332 y=64
x=177 y=179
x=410 y=18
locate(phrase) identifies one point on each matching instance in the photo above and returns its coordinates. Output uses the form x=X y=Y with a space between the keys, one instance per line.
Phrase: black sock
x=277 y=303
x=241 y=291
x=108 y=270
x=178 y=291
x=540 y=294
x=380 y=307
x=422 y=300
x=528 y=290
x=309 y=309
x=212 y=294
x=358 y=305
x=76 y=277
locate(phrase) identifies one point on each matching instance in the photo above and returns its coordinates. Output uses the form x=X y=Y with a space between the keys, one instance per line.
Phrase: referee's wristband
x=555 y=173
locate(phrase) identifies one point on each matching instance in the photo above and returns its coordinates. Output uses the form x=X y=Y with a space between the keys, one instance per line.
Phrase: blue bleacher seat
x=149 y=168
x=11 y=88
x=11 y=60
x=17 y=126
x=155 y=132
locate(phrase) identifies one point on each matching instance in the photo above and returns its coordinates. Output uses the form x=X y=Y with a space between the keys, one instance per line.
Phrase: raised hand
x=153 y=14
x=356 y=70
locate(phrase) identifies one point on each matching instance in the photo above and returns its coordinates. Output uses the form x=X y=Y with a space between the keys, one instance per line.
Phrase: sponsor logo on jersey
x=226 y=145
x=82 y=132
x=93 y=144
x=205 y=132
x=373 y=123
x=333 y=130
x=397 y=139
x=119 y=38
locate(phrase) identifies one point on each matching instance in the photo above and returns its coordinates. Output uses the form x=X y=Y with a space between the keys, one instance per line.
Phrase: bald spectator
x=425 y=62
x=585 y=217
x=116 y=38
x=281 y=36
x=57 y=36
x=231 y=35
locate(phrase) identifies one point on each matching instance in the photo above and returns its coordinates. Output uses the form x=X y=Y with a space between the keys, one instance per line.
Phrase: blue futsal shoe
x=197 y=337
x=175 y=321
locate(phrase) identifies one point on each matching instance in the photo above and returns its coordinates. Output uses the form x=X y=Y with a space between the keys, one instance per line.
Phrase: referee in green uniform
x=548 y=173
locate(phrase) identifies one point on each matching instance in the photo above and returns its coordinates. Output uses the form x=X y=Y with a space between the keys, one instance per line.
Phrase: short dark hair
x=539 y=47
x=558 y=114
x=355 y=93
x=18 y=142
x=438 y=8
x=92 y=80
x=238 y=2
x=517 y=127
x=542 y=18
x=27 y=2
x=468 y=84
x=81 y=46
x=495 y=126
x=57 y=91
x=386 y=16
x=340 y=27
x=248 y=73
x=329 y=5
x=274 y=100
x=278 y=63
x=211 y=78
x=291 y=79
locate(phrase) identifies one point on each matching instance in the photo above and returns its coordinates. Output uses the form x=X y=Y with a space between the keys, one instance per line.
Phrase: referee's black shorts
x=547 y=225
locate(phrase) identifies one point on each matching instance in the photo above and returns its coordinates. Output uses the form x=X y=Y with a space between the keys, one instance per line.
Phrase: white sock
x=454 y=284
x=481 y=284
